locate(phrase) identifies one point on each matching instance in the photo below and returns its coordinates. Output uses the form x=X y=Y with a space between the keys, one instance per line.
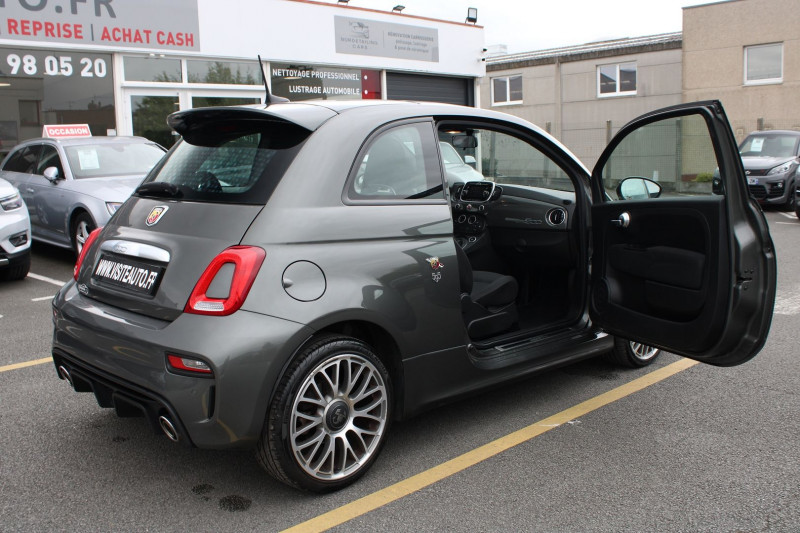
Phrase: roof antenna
x=269 y=98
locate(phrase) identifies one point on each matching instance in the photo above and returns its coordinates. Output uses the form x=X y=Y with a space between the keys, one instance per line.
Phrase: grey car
x=771 y=160
x=293 y=277
x=72 y=186
x=15 y=234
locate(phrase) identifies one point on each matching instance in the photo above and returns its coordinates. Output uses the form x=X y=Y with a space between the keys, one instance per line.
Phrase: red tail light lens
x=88 y=244
x=246 y=261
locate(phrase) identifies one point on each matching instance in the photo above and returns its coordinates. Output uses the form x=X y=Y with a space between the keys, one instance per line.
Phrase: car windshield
x=449 y=154
x=112 y=159
x=769 y=145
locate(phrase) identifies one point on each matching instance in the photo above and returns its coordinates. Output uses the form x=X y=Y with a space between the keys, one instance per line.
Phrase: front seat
x=487 y=299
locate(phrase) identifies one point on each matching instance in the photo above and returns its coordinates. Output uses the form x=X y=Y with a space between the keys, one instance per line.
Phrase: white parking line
x=788 y=302
x=788 y=215
x=43 y=298
x=46 y=279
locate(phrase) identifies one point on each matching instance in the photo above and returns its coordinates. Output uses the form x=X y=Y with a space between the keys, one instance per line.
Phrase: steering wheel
x=206 y=182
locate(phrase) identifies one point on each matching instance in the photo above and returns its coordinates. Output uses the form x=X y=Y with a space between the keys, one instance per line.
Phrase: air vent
x=557 y=217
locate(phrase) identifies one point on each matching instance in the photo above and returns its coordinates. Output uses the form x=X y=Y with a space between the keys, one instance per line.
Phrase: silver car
x=72 y=186
x=15 y=234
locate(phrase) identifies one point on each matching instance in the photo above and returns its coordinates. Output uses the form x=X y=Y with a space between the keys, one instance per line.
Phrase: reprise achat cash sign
x=103 y=22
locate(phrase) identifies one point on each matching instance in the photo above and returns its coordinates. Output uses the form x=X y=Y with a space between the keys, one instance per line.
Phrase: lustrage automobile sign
x=112 y=23
x=304 y=82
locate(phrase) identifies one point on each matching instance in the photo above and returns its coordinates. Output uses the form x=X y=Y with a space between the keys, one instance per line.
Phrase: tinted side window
x=50 y=158
x=400 y=164
x=24 y=160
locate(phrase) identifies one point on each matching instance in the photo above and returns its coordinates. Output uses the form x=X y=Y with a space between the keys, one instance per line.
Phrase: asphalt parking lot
x=673 y=447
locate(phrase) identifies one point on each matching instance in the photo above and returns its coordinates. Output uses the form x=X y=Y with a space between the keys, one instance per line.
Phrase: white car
x=15 y=234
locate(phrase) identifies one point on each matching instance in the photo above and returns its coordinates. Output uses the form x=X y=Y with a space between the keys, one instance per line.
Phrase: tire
x=310 y=420
x=82 y=226
x=791 y=200
x=18 y=270
x=631 y=354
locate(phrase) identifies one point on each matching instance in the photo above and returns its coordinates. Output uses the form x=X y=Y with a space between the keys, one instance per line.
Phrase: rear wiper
x=159 y=189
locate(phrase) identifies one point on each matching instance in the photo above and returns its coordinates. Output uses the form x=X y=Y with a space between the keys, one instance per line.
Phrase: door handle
x=623 y=221
x=30 y=190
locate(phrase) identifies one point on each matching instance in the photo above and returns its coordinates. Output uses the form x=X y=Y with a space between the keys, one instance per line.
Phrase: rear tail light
x=86 y=245
x=189 y=365
x=246 y=261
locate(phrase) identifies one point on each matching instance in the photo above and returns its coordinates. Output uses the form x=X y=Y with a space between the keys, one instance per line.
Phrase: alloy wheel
x=338 y=417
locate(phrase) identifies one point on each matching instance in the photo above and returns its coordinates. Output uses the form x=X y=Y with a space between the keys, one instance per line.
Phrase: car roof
x=773 y=132
x=311 y=114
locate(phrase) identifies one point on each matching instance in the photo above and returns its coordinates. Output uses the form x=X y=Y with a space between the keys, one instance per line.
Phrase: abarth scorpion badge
x=436 y=265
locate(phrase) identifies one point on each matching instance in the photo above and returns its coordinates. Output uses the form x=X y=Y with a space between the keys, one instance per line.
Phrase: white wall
x=301 y=31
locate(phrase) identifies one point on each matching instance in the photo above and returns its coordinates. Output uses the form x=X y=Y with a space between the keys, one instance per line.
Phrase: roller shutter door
x=429 y=88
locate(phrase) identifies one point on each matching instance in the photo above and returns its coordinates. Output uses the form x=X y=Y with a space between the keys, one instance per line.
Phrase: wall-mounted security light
x=398 y=8
x=472 y=15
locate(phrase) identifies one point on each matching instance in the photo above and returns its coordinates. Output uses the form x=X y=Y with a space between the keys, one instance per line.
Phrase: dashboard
x=532 y=221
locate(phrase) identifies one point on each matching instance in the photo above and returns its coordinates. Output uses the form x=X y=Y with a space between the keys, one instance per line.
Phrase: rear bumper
x=121 y=357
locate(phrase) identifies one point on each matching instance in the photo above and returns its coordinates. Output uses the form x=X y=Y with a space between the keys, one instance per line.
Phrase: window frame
x=618 y=92
x=508 y=100
x=766 y=81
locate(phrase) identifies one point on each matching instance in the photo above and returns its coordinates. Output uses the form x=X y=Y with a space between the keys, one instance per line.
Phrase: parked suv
x=771 y=160
x=15 y=234
x=294 y=277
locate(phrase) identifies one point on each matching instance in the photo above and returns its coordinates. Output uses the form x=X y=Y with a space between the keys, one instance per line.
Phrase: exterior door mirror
x=51 y=173
x=638 y=189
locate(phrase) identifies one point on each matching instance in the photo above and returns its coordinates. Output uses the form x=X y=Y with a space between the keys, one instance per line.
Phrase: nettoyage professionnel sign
x=385 y=39
x=153 y=24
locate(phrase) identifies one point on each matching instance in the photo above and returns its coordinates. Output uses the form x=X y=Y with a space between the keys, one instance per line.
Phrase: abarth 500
x=293 y=277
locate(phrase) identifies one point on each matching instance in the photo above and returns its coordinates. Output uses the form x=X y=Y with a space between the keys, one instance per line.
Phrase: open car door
x=682 y=256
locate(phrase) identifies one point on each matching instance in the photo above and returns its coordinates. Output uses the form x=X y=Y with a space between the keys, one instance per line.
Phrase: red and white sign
x=67 y=130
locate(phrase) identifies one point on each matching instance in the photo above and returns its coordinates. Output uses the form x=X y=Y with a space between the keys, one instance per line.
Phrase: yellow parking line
x=424 y=479
x=35 y=362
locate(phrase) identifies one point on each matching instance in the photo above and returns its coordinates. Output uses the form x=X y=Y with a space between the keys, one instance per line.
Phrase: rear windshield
x=237 y=163
x=112 y=159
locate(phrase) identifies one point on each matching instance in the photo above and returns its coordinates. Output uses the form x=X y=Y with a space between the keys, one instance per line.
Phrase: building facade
x=745 y=53
x=583 y=94
x=121 y=66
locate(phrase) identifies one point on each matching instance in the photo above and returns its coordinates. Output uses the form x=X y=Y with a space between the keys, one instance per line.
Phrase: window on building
x=507 y=90
x=763 y=64
x=616 y=80
x=148 y=68
x=45 y=87
x=29 y=113
x=223 y=72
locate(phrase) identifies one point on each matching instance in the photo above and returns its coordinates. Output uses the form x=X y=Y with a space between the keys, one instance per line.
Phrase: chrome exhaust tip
x=168 y=428
x=65 y=375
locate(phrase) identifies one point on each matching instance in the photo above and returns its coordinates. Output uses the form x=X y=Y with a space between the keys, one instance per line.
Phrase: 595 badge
x=436 y=266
